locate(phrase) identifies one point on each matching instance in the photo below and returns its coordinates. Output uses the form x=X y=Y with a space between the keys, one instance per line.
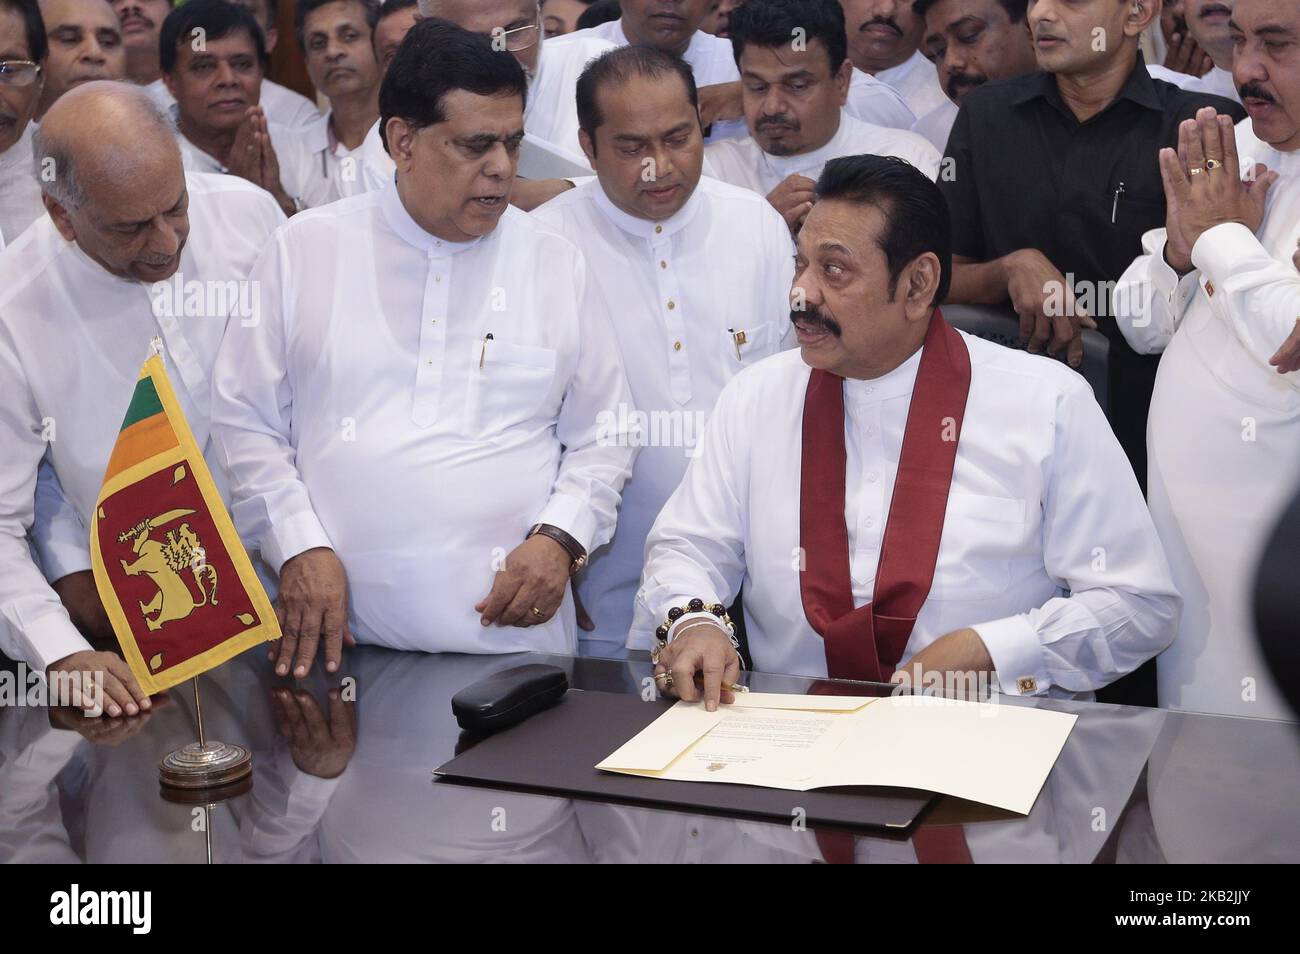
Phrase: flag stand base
x=202 y=765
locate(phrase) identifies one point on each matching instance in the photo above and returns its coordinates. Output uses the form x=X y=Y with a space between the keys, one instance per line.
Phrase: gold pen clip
x=483 y=353
x=738 y=339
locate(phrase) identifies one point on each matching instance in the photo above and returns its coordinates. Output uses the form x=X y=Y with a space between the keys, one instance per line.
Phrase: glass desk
x=352 y=781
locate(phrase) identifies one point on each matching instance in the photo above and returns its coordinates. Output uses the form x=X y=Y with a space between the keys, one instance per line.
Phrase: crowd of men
x=587 y=328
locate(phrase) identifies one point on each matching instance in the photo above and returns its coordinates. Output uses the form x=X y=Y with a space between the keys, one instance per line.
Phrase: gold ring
x=668 y=679
x=1195 y=171
x=1212 y=164
x=538 y=613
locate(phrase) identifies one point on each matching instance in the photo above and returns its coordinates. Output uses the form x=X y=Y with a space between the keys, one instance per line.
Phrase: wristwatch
x=577 y=553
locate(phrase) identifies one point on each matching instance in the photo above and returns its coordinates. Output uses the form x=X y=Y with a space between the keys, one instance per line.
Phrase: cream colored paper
x=999 y=755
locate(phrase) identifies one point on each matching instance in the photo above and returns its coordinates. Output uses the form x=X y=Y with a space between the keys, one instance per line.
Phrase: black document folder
x=555 y=752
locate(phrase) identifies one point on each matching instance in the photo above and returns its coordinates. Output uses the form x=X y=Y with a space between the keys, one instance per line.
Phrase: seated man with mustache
x=794 y=96
x=961 y=507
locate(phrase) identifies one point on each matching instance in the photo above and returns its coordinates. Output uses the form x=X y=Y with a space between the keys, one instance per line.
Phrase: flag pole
x=198 y=712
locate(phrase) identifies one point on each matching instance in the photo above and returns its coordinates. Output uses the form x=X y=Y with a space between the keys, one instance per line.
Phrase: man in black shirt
x=1053 y=177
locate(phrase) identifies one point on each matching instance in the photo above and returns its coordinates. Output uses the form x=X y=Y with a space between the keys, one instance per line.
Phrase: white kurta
x=20 y=193
x=936 y=125
x=675 y=305
x=710 y=57
x=72 y=340
x=370 y=412
x=917 y=81
x=743 y=162
x=1223 y=434
x=873 y=101
x=281 y=104
x=1047 y=551
x=551 y=113
x=300 y=165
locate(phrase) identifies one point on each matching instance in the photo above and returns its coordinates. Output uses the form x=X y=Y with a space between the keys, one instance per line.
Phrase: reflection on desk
x=339 y=781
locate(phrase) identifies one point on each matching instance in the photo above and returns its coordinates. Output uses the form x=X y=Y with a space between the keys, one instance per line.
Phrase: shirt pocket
x=980 y=536
x=742 y=347
x=508 y=384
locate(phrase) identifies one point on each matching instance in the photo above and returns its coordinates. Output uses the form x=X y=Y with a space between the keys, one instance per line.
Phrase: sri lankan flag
x=175 y=580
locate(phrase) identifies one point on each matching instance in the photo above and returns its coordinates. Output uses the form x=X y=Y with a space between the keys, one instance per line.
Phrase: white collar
x=892 y=384
x=409 y=231
x=653 y=232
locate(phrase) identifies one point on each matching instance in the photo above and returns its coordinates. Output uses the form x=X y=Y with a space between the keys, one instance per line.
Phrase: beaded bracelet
x=696 y=605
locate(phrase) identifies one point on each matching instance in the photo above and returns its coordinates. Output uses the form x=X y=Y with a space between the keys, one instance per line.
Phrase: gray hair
x=52 y=157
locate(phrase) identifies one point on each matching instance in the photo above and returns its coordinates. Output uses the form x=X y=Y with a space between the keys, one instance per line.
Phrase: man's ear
x=170 y=84
x=59 y=215
x=399 y=135
x=922 y=277
x=843 y=80
x=272 y=35
x=1141 y=14
x=588 y=144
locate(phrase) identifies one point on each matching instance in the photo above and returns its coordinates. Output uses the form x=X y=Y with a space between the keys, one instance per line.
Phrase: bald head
x=107 y=159
x=515 y=24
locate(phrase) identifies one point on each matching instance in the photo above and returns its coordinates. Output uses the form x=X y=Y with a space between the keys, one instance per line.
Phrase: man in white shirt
x=144 y=19
x=884 y=40
x=794 y=98
x=414 y=442
x=674 y=27
x=220 y=125
x=23 y=48
x=1217 y=294
x=970 y=43
x=687 y=318
x=336 y=38
x=963 y=508
x=85 y=45
x=82 y=293
x=552 y=66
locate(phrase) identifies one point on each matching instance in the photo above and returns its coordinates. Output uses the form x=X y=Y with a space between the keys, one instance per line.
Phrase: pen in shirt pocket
x=1114 y=209
x=483 y=353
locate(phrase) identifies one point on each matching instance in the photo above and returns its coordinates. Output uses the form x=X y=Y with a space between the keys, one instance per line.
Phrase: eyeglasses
x=518 y=39
x=18 y=72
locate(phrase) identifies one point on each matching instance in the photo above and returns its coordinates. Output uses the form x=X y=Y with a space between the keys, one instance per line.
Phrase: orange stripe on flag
x=139 y=442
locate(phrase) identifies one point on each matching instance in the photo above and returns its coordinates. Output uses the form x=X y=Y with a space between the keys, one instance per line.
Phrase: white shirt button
x=871 y=477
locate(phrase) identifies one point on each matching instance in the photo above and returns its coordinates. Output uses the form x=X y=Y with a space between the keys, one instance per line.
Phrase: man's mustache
x=957 y=81
x=882 y=21
x=1253 y=90
x=816 y=318
x=780 y=122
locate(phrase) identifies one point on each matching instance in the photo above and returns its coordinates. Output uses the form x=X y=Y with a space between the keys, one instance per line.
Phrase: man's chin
x=149 y=274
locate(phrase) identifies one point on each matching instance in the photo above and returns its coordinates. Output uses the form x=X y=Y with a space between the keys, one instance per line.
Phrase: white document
x=999 y=755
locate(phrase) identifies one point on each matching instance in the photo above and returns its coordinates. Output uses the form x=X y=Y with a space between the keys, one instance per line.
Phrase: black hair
x=601 y=11
x=616 y=67
x=216 y=18
x=915 y=211
x=1015 y=9
x=778 y=22
x=304 y=7
x=389 y=7
x=38 y=44
x=438 y=57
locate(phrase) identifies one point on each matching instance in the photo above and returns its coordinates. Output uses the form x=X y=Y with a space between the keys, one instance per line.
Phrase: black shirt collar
x=1139 y=87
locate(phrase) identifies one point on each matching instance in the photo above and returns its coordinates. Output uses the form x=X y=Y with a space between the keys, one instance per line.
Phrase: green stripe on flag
x=144 y=403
